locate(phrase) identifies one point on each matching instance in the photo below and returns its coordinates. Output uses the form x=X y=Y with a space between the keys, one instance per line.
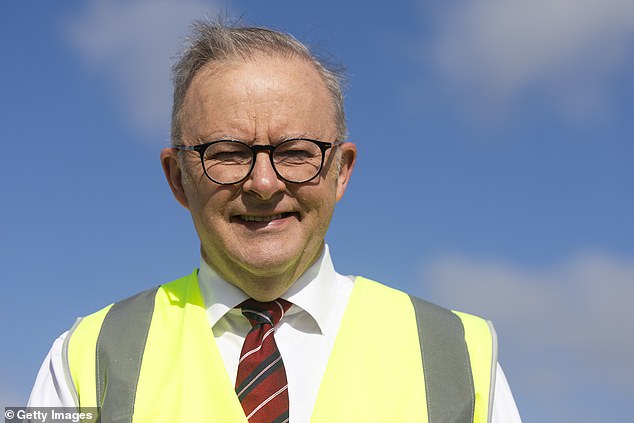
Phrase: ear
x=348 y=159
x=171 y=167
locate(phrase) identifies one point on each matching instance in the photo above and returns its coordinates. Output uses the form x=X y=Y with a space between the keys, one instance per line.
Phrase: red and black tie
x=261 y=384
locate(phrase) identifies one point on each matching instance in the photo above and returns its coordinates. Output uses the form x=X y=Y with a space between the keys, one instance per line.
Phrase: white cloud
x=133 y=43
x=568 y=50
x=570 y=324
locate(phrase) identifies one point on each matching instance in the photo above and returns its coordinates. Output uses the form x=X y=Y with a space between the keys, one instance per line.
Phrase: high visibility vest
x=153 y=358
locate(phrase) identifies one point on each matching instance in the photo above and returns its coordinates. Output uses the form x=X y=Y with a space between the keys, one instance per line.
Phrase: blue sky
x=494 y=175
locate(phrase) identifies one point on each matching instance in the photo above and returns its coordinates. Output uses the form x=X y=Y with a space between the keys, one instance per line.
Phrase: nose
x=263 y=182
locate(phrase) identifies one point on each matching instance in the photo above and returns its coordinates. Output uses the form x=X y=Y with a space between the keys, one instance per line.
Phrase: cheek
x=208 y=204
x=318 y=203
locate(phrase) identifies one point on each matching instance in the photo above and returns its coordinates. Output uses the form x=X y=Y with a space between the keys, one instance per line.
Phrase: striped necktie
x=261 y=384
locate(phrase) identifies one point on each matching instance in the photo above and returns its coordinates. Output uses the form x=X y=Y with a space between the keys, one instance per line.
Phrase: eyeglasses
x=227 y=162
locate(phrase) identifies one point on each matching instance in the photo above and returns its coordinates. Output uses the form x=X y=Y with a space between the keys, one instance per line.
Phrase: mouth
x=264 y=221
x=247 y=218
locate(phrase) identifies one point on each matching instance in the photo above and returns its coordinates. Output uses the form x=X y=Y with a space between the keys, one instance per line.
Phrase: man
x=259 y=158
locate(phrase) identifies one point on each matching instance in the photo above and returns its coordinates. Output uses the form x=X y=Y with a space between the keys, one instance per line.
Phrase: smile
x=247 y=218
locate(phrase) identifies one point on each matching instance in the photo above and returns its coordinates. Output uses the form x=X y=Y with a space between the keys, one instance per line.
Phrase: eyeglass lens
x=294 y=160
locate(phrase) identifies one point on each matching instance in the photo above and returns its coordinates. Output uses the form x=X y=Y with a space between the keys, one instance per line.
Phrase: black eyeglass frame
x=255 y=149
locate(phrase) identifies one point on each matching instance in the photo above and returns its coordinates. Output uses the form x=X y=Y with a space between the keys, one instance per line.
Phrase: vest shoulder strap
x=120 y=347
x=446 y=365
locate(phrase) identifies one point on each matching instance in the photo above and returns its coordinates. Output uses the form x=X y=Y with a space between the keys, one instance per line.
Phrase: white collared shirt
x=306 y=334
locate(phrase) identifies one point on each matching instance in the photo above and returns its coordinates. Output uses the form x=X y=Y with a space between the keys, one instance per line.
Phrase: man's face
x=263 y=101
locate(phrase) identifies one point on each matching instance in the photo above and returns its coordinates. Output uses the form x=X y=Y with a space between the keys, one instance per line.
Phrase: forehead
x=263 y=96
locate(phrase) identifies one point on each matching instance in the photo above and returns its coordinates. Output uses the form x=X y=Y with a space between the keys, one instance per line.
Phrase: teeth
x=261 y=218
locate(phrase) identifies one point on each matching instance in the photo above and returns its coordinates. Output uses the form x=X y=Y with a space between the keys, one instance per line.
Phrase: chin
x=268 y=264
x=275 y=259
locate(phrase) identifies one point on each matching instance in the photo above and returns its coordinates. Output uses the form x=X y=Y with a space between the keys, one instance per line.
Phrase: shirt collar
x=311 y=293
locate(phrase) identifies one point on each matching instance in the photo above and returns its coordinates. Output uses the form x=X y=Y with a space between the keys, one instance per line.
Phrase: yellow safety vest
x=153 y=358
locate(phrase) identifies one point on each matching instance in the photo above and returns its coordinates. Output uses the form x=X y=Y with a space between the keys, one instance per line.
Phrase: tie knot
x=264 y=313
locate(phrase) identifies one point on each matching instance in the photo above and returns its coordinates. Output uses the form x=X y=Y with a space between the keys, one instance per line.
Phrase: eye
x=228 y=153
x=295 y=155
x=296 y=152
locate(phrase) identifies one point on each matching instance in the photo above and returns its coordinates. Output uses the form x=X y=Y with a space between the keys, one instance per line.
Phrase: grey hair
x=215 y=42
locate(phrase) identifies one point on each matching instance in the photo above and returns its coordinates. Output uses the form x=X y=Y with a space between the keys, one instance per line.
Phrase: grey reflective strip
x=494 y=368
x=448 y=379
x=120 y=347
x=66 y=364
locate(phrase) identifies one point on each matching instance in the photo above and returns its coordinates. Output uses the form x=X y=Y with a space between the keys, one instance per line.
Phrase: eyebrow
x=222 y=136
